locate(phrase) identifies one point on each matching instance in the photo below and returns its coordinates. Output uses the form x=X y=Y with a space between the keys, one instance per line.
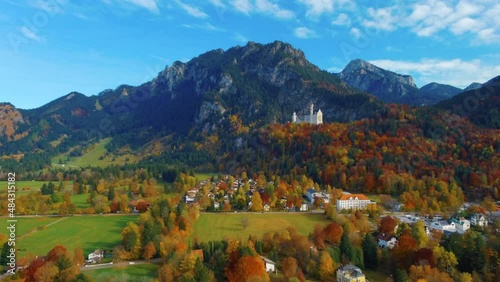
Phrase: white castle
x=310 y=118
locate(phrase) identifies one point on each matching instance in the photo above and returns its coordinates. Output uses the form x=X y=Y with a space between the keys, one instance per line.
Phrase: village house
x=443 y=226
x=353 y=202
x=387 y=241
x=269 y=264
x=478 y=219
x=312 y=194
x=461 y=225
x=96 y=256
x=350 y=273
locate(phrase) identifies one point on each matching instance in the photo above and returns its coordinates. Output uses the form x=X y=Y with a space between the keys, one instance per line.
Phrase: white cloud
x=217 y=3
x=382 y=19
x=240 y=38
x=304 y=32
x=51 y=7
x=318 y=7
x=266 y=6
x=455 y=72
x=355 y=32
x=28 y=33
x=193 y=11
x=205 y=26
x=243 y=6
x=148 y=4
x=342 y=19
x=432 y=18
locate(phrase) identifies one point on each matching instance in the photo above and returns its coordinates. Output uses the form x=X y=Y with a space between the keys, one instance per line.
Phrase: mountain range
x=243 y=87
x=391 y=87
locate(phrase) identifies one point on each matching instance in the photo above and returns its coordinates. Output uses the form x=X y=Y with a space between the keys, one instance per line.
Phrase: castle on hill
x=310 y=118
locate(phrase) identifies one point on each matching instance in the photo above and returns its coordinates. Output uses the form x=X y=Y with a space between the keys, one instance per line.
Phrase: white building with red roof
x=353 y=202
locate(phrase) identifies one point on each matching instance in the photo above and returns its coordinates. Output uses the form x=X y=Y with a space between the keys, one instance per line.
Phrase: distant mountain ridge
x=386 y=85
x=257 y=84
x=392 y=87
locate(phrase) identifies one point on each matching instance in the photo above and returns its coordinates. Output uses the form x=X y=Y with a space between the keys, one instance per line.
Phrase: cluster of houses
x=312 y=196
x=459 y=225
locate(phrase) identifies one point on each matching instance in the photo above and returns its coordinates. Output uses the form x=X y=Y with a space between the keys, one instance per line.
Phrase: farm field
x=87 y=232
x=217 y=226
x=140 y=272
x=91 y=158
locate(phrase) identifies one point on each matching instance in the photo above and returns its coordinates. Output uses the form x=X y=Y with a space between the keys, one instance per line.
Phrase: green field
x=80 y=200
x=32 y=185
x=26 y=225
x=91 y=158
x=212 y=226
x=87 y=232
x=140 y=272
x=202 y=176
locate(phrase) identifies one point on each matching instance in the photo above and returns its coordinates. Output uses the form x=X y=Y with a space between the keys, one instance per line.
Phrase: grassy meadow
x=87 y=232
x=92 y=158
x=215 y=226
x=140 y=272
x=30 y=186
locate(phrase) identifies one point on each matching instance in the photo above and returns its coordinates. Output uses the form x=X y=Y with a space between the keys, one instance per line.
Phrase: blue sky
x=49 y=48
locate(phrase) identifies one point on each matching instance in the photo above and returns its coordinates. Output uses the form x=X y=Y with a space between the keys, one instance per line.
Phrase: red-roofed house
x=353 y=202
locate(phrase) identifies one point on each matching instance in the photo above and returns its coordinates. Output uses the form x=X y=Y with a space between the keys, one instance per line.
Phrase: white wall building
x=310 y=118
x=353 y=202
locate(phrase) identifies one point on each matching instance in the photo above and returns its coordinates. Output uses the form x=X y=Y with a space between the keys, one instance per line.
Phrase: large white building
x=310 y=118
x=353 y=202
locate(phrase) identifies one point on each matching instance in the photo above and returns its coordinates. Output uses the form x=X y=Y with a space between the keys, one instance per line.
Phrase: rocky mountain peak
x=387 y=85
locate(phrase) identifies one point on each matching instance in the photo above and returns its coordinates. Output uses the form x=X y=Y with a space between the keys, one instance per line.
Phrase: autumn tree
x=149 y=251
x=419 y=234
x=387 y=225
x=326 y=267
x=289 y=267
x=445 y=261
x=46 y=273
x=428 y=273
x=332 y=233
x=78 y=257
x=256 y=202
x=247 y=269
x=131 y=240
x=405 y=250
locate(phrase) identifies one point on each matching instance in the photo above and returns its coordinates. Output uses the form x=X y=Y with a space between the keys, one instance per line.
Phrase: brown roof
x=346 y=197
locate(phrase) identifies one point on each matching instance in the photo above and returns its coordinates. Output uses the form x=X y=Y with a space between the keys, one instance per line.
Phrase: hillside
x=481 y=105
x=255 y=84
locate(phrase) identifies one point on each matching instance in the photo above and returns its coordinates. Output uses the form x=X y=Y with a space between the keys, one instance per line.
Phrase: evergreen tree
x=370 y=252
x=201 y=272
x=5 y=252
x=401 y=276
x=345 y=247
x=111 y=193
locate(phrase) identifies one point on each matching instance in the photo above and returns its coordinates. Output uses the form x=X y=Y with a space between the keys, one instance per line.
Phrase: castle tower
x=319 y=117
